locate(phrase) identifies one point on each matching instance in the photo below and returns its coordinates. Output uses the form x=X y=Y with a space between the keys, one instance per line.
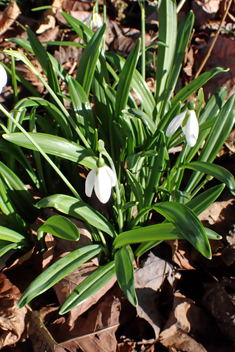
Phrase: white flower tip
x=3 y=78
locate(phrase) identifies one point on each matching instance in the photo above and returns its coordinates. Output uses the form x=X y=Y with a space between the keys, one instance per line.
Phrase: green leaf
x=183 y=36
x=6 y=246
x=202 y=201
x=187 y=223
x=138 y=84
x=82 y=108
x=79 y=27
x=89 y=287
x=158 y=232
x=58 y=271
x=167 y=34
x=78 y=209
x=38 y=49
x=136 y=188
x=125 y=80
x=125 y=274
x=195 y=84
x=216 y=171
x=61 y=227
x=216 y=138
x=54 y=145
x=89 y=59
x=10 y=235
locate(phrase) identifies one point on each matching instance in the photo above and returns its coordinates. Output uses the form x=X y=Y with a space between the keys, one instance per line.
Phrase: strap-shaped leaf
x=187 y=223
x=89 y=59
x=61 y=227
x=10 y=235
x=89 y=287
x=82 y=108
x=167 y=35
x=38 y=50
x=202 y=201
x=158 y=232
x=58 y=271
x=125 y=79
x=195 y=84
x=54 y=145
x=125 y=274
x=216 y=138
x=217 y=171
x=79 y=27
x=78 y=209
x=138 y=84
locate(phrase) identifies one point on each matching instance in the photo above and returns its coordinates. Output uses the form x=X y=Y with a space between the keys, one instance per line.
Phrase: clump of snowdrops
x=120 y=146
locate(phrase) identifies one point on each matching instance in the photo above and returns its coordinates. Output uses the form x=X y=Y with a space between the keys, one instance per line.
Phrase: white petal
x=3 y=77
x=175 y=123
x=112 y=176
x=103 y=185
x=90 y=182
x=191 y=129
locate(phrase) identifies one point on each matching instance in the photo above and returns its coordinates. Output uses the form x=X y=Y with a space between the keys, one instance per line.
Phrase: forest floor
x=186 y=303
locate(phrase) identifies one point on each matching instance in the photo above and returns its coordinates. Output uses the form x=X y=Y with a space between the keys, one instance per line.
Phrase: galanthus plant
x=121 y=146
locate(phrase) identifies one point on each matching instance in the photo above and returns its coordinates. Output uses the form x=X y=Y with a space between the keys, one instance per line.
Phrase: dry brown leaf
x=186 y=320
x=8 y=16
x=68 y=284
x=12 y=319
x=40 y=337
x=148 y=281
x=95 y=331
x=222 y=308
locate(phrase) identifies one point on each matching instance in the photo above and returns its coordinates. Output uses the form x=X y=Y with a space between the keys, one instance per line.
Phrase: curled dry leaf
x=95 y=330
x=186 y=320
x=70 y=282
x=148 y=281
x=9 y=15
x=222 y=308
x=12 y=319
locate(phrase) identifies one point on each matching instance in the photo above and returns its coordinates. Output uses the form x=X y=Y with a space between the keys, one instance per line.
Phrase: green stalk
x=72 y=189
x=143 y=65
x=118 y=195
x=25 y=60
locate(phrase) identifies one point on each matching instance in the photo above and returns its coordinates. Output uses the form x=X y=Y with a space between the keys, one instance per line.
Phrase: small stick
x=214 y=40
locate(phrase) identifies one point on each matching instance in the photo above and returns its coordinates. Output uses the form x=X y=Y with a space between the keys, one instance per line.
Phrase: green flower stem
x=72 y=189
x=118 y=195
x=142 y=9
x=25 y=60
x=104 y=21
x=202 y=184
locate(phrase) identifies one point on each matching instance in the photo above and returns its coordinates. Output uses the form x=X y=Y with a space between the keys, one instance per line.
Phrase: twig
x=213 y=42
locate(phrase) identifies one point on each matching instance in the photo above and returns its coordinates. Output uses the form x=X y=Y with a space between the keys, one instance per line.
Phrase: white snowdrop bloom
x=189 y=124
x=3 y=78
x=96 y=21
x=101 y=179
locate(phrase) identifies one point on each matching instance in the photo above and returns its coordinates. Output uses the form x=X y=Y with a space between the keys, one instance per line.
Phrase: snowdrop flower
x=189 y=124
x=101 y=179
x=3 y=78
x=96 y=21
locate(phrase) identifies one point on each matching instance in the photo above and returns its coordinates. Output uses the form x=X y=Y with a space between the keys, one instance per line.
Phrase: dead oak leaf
x=9 y=15
x=12 y=319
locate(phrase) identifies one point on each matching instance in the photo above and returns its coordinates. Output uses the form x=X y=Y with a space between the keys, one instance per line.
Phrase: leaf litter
x=169 y=317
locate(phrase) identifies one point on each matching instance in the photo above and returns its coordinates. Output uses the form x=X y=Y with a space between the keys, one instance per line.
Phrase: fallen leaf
x=222 y=308
x=95 y=330
x=9 y=15
x=70 y=282
x=12 y=319
x=185 y=322
x=148 y=281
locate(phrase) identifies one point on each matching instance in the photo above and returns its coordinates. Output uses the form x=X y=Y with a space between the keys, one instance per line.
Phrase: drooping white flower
x=101 y=179
x=3 y=78
x=189 y=124
x=96 y=21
